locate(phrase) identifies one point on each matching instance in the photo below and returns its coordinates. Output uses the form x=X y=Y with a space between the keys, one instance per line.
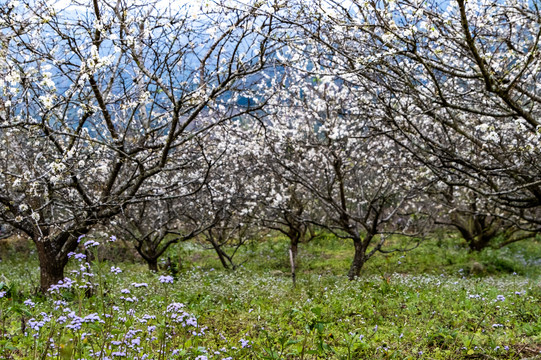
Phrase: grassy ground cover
x=436 y=302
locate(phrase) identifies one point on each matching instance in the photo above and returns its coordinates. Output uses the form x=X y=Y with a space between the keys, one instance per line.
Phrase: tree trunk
x=293 y=269
x=51 y=269
x=475 y=230
x=221 y=255
x=152 y=264
x=294 y=251
x=358 y=260
x=294 y=237
x=479 y=242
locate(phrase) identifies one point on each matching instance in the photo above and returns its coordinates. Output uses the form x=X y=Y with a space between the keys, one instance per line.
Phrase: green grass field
x=436 y=302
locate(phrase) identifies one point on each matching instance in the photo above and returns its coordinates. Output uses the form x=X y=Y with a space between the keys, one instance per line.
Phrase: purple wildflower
x=90 y=243
x=164 y=279
x=244 y=343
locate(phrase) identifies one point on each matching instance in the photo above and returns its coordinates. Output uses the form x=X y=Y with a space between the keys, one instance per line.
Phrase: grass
x=436 y=302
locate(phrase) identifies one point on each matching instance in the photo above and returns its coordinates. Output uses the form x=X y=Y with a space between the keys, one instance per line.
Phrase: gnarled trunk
x=150 y=256
x=152 y=264
x=53 y=253
x=359 y=259
x=477 y=234
x=51 y=265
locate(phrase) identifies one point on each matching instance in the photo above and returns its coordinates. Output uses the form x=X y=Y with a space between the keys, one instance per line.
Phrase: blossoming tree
x=456 y=84
x=360 y=184
x=97 y=98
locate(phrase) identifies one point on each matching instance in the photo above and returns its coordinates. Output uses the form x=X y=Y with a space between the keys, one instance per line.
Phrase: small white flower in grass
x=115 y=270
x=166 y=279
x=23 y=207
x=138 y=285
x=500 y=298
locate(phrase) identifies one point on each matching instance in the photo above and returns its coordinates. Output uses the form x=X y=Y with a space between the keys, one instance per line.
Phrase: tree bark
x=294 y=234
x=152 y=264
x=358 y=260
x=294 y=250
x=294 y=238
x=479 y=242
x=221 y=255
x=293 y=269
x=51 y=268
